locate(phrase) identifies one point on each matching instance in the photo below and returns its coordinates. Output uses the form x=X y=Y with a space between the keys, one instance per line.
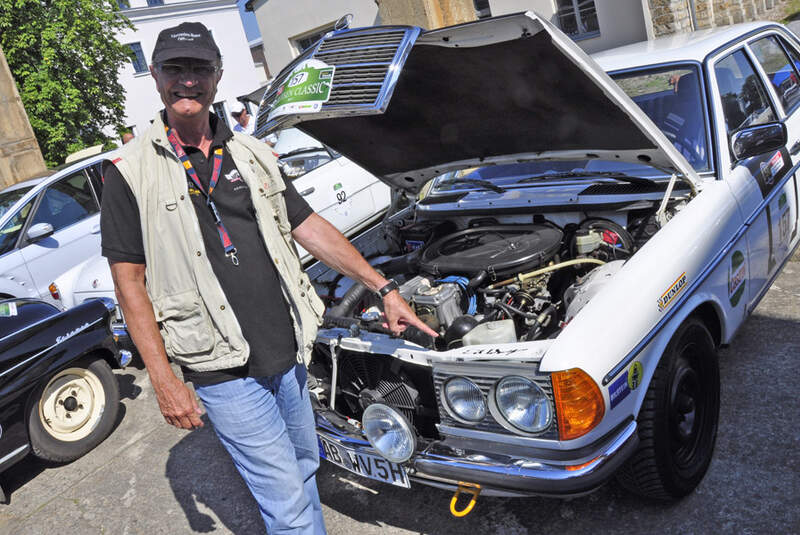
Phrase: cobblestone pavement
x=149 y=478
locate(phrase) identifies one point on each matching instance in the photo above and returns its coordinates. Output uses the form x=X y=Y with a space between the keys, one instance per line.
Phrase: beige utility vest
x=199 y=329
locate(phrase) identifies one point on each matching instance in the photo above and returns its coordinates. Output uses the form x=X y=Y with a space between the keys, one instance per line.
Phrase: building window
x=219 y=109
x=124 y=4
x=578 y=18
x=155 y=2
x=482 y=9
x=307 y=41
x=138 y=61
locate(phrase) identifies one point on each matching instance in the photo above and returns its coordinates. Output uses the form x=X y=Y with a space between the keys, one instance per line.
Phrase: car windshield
x=670 y=97
x=10 y=198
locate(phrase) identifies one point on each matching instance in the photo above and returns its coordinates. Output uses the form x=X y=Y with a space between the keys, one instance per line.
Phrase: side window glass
x=66 y=202
x=95 y=173
x=782 y=75
x=10 y=231
x=744 y=97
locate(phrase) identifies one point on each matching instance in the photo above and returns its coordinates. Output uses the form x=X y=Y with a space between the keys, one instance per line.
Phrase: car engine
x=493 y=283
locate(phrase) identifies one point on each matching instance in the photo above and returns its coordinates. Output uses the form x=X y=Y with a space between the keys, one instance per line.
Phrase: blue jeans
x=267 y=426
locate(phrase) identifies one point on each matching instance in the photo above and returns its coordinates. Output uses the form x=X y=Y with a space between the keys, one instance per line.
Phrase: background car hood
x=496 y=91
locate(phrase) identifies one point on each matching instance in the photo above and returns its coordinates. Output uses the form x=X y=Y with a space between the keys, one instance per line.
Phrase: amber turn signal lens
x=579 y=403
x=54 y=291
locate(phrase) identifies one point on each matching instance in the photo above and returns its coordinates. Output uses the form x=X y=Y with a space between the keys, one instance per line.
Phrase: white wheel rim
x=72 y=404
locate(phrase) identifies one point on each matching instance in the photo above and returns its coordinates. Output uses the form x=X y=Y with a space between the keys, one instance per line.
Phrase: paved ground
x=149 y=478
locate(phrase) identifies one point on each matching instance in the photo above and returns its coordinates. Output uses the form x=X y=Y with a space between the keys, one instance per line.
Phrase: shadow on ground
x=208 y=487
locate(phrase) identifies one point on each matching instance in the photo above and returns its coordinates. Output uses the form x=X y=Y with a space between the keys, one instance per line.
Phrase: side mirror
x=758 y=140
x=39 y=231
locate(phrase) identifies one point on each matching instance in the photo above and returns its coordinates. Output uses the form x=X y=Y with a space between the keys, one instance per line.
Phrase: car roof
x=680 y=47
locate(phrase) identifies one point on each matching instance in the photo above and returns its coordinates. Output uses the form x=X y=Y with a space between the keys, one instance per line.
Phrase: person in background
x=126 y=137
x=244 y=122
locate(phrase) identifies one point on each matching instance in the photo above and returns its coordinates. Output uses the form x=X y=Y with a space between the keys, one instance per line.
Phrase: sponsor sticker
x=737 y=276
x=306 y=89
x=625 y=384
x=669 y=296
x=635 y=375
x=8 y=310
x=618 y=390
x=775 y=165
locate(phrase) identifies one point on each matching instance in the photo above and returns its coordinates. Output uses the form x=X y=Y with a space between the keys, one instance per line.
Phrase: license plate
x=363 y=464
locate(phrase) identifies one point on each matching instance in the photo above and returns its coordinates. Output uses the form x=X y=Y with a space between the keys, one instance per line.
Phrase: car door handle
x=96 y=228
x=795 y=148
x=310 y=190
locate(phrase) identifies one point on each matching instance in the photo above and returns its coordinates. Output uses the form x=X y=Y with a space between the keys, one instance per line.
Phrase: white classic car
x=47 y=226
x=587 y=243
x=350 y=198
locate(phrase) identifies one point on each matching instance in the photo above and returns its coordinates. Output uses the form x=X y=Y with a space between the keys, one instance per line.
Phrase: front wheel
x=74 y=411
x=678 y=419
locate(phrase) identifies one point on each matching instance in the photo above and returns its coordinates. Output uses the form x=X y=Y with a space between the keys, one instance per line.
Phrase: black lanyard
x=230 y=250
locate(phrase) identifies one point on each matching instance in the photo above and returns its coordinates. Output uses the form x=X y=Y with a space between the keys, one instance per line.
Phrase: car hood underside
x=497 y=91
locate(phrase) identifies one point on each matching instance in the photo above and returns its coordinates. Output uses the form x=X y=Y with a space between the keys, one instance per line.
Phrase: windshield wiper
x=600 y=174
x=473 y=182
x=295 y=152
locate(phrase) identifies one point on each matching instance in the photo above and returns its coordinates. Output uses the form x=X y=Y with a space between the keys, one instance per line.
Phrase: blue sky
x=249 y=22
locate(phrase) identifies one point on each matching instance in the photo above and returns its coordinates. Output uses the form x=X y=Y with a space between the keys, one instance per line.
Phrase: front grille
x=362 y=61
x=485 y=383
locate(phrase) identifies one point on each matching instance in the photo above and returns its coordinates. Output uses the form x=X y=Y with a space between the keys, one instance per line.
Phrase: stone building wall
x=20 y=157
x=674 y=16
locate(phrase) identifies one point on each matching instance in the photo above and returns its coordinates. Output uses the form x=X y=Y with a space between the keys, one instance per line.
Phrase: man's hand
x=178 y=404
x=399 y=315
x=327 y=244
x=175 y=399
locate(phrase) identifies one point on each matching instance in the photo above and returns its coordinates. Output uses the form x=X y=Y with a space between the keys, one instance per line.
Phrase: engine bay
x=496 y=279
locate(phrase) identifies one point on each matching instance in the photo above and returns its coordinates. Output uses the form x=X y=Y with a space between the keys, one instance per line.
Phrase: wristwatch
x=388 y=287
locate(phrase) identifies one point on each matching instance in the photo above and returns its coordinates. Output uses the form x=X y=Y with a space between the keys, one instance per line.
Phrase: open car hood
x=408 y=104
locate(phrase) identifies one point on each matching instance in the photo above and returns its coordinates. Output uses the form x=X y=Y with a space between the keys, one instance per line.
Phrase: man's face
x=243 y=118
x=187 y=86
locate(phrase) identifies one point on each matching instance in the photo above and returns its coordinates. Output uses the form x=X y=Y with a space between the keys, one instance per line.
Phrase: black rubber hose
x=351 y=297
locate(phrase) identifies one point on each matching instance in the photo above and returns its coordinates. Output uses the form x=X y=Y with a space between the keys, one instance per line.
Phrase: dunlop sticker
x=669 y=296
x=306 y=89
x=737 y=277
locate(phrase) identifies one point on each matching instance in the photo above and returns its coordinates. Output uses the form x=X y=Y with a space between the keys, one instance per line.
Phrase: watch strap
x=388 y=287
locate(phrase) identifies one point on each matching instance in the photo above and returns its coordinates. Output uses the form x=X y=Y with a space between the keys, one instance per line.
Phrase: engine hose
x=476 y=281
x=407 y=263
x=351 y=297
x=510 y=310
x=525 y=276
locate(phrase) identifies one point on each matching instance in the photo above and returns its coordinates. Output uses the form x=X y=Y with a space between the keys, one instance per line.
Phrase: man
x=127 y=137
x=243 y=122
x=210 y=278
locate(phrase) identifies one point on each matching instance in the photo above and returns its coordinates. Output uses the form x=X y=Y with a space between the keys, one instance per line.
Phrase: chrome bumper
x=501 y=474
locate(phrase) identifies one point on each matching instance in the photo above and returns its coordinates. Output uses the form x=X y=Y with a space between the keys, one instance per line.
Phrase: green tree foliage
x=65 y=59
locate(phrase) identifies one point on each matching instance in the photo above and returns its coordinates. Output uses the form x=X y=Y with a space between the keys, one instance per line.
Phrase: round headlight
x=523 y=404
x=464 y=400
x=389 y=433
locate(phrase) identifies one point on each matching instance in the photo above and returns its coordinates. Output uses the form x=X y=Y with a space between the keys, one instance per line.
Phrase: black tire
x=73 y=411
x=678 y=419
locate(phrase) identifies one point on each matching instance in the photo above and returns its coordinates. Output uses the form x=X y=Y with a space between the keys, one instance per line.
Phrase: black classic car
x=58 y=395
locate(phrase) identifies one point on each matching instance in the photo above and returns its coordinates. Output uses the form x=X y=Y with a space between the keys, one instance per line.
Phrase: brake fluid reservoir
x=492 y=332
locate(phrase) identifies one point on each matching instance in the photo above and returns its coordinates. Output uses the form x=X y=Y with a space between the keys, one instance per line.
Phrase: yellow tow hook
x=467 y=488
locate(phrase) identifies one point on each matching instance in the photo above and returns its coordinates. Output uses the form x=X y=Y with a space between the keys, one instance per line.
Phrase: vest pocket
x=185 y=327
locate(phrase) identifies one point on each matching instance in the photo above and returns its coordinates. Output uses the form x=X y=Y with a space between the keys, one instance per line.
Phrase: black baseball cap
x=186 y=40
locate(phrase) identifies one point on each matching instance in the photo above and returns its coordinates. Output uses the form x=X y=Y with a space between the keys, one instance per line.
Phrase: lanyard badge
x=225 y=239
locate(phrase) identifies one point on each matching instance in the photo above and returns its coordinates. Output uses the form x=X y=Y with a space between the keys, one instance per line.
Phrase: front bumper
x=444 y=466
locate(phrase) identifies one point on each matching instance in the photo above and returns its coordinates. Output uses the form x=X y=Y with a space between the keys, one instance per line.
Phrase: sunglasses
x=200 y=69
